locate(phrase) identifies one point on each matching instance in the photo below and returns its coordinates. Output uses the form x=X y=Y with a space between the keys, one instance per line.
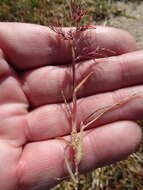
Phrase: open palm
x=34 y=67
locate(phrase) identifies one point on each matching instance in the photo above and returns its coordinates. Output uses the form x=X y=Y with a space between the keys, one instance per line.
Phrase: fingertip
x=116 y=39
x=110 y=143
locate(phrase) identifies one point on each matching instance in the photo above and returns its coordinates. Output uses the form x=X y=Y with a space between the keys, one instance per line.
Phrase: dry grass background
x=42 y=11
x=125 y=175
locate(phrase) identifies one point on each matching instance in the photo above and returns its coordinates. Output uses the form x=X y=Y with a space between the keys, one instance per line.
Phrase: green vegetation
x=42 y=11
x=126 y=175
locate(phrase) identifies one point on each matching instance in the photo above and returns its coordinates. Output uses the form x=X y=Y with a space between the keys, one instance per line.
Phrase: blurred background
x=125 y=14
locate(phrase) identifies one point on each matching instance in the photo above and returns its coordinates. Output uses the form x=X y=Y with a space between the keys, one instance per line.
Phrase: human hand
x=33 y=70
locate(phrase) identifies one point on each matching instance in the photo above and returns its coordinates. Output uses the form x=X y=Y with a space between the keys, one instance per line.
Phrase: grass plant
x=76 y=13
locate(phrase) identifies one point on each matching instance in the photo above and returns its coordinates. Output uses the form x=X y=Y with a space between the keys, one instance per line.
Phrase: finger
x=43 y=162
x=31 y=46
x=108 y=74
x=52 y=120
x=10 y=88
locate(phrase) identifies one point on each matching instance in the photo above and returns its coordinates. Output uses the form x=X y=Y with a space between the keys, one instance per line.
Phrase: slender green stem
x=74 y=98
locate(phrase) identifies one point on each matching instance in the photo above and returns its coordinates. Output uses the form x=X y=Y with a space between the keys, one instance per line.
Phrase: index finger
x=30 y=46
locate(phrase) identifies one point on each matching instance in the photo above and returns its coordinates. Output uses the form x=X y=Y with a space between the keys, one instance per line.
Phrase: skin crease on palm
x=34 y=67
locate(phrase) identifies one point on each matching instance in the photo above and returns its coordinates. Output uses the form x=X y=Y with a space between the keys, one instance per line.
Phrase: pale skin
x=33 y=71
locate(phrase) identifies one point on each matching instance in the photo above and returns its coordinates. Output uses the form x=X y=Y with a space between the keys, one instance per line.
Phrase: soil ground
x=132 y=22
